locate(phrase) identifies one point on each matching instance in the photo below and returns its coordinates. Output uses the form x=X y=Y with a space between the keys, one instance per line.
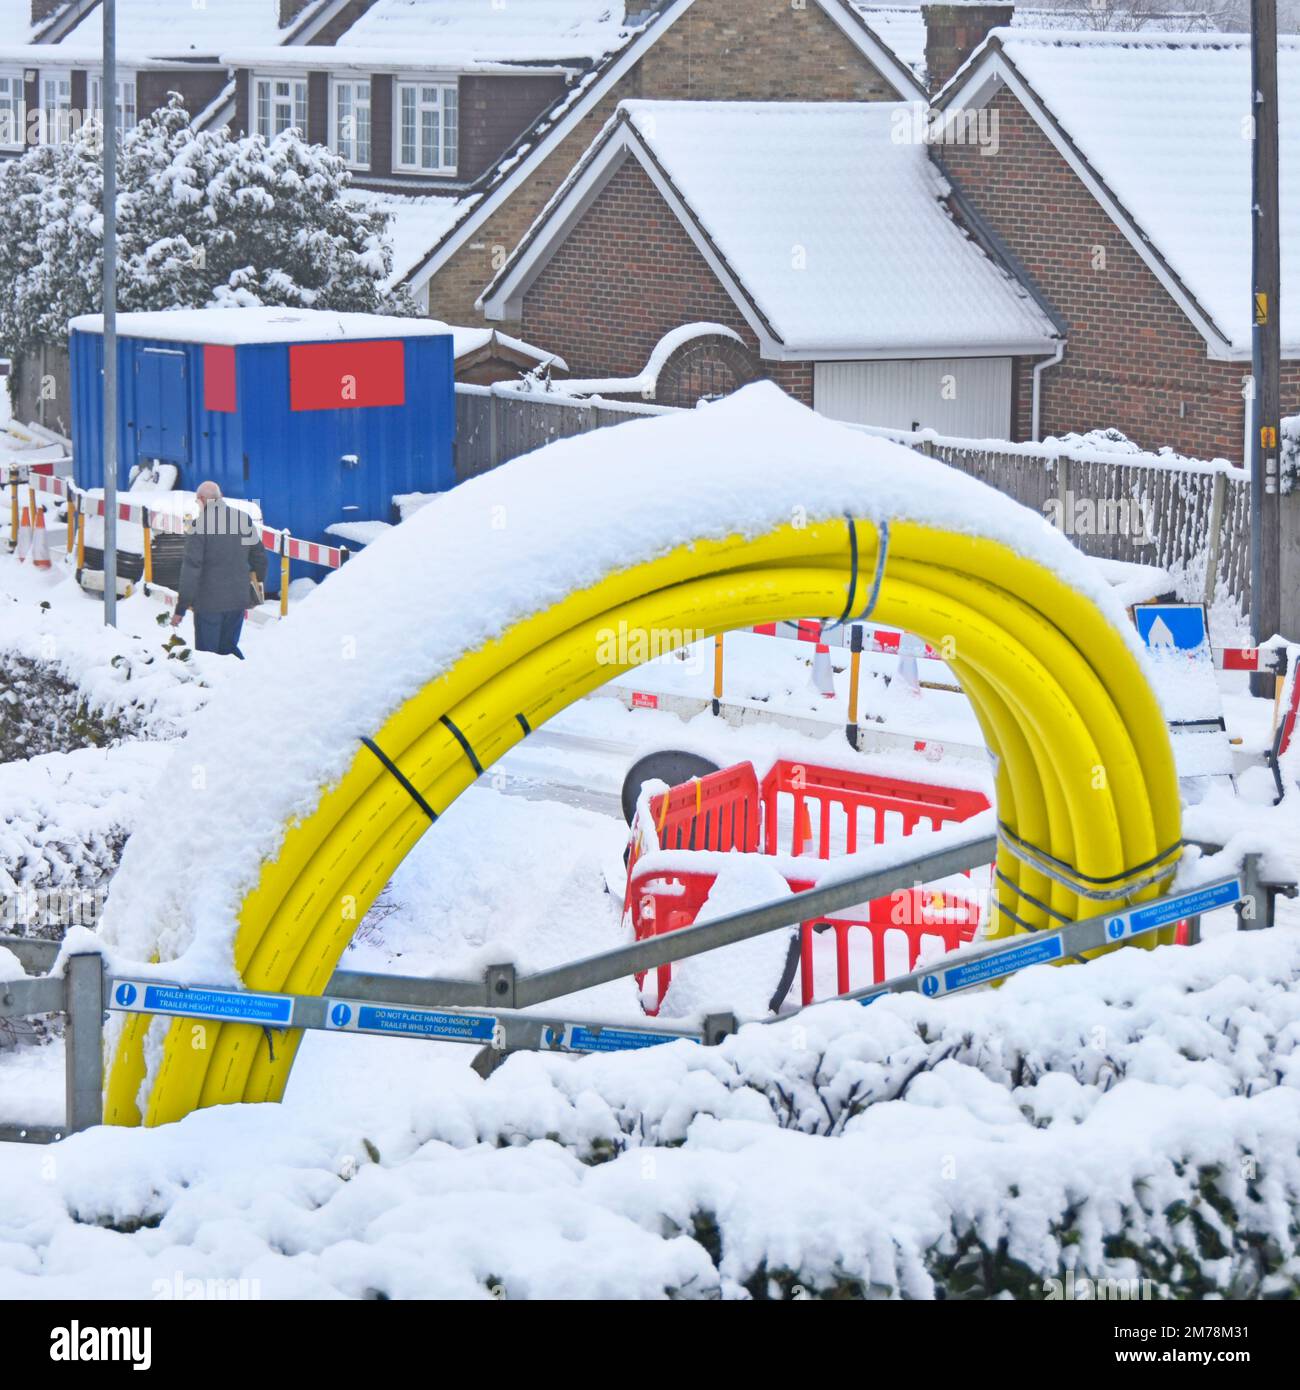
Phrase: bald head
x=208 y=492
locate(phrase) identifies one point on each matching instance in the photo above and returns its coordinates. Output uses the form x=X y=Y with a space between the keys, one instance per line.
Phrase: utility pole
x=1266 y=339
x=108 y=134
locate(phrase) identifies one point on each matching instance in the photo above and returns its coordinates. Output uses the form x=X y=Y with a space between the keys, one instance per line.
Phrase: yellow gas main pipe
x=1084 y=770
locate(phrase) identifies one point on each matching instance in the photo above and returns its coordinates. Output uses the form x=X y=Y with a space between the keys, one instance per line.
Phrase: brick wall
x=1133 y=360
x=495 y=111
x=625 y=276
x=735 y=50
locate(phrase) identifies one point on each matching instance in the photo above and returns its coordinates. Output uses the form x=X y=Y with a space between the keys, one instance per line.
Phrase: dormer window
x=426 y=132
x=279 y=104
x=350 y=120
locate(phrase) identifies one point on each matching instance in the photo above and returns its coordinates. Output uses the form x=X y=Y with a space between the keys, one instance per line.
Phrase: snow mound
x=739 y=979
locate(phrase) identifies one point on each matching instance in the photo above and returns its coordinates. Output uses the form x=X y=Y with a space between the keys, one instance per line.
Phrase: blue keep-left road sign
x=1171 y=626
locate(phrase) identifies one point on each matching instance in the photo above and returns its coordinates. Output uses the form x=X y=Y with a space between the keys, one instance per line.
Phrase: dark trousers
x=219 y=632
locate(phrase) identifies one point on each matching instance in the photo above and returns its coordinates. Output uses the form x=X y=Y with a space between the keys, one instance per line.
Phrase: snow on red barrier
x=882 y=641
x=278 y=542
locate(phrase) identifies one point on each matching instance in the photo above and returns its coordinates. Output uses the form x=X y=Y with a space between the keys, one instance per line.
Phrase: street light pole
x=108 y=134
x=1266 y=338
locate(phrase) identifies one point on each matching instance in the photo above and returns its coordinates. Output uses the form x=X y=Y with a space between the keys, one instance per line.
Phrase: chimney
x=953 y=32
x=43 y=10
x=289 y=10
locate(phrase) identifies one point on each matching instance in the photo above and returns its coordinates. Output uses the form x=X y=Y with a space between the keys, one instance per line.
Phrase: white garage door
x=966 y=396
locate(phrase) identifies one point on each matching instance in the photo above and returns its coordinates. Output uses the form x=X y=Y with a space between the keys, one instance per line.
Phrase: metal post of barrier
x=499 y=986
x=81 y=540
x=717 y=674
x=148 y=545
x=284 y=574
x=855 y=678
x=73 y=512
x=84 y=1041
x=1252 y=914
x=13 y=513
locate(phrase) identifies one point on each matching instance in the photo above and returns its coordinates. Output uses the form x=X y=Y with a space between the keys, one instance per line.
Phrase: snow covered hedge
x=203 y=218
x=1134 y=1120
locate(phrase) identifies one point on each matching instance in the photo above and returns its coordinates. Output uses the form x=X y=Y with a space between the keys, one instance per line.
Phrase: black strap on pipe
x=524 y=725
x=464 y=743
x=404 y=781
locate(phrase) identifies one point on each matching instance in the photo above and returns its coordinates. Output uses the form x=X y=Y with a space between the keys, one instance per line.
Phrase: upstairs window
x=56 y=107
x=279 y=104
x=126 y=112
x=13 y=110
x=350 y=121
x=427 y=127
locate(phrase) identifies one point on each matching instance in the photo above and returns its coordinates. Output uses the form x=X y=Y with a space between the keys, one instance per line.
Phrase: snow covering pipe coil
x=1083 y=764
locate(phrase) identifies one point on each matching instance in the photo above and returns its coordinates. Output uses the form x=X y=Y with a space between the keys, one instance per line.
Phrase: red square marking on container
x=343 y=376
x=219 y=378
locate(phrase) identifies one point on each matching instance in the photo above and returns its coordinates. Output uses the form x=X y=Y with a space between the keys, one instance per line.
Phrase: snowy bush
x=203 y=218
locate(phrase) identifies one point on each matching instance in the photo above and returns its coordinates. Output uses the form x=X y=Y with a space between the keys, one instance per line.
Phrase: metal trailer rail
x=487 y=1012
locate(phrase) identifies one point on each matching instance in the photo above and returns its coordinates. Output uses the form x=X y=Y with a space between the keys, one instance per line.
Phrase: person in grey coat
x=223 y=554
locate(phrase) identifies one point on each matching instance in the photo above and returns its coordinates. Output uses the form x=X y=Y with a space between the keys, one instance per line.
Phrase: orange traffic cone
x=823 y=677
x=40 y=542
x=24 y=535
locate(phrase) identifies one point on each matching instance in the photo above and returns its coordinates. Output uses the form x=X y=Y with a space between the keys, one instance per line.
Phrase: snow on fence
x=1183 y=515
x=495 y=424
x=1187 y=516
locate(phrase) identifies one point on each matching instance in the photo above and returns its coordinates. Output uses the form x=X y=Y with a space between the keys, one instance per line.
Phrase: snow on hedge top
x=164 y=28
x=829 y=216
x=462 y=32
x=259 y=324
x=457 y=574
x=1164 y=122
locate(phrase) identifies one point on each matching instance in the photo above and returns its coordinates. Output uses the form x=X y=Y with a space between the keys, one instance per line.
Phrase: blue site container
x=319 y=418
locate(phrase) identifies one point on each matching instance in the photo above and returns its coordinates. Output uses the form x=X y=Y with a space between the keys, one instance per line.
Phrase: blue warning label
x=994 y=967
x=223 y=1005
x=396 y=1021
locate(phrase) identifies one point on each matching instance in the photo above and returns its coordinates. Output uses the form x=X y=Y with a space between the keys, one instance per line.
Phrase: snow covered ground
x=1139 y=1119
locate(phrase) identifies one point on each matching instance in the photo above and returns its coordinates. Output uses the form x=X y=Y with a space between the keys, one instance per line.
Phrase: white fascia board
x=555 y=136
x=1038 y=347
x=985 y=80
x=881 y=57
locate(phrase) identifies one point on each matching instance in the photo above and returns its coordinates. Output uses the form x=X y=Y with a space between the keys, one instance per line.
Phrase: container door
x=162 y=426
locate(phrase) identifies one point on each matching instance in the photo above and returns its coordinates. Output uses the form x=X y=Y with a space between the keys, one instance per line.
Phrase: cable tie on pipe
x=853 y=577
x=1097 y=889
x=464 y=743
x=1031 y=900
x=882 y=555
x=524 y=725
x=403 y=781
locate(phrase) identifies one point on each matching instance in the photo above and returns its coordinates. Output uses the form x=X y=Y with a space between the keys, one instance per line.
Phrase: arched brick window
x=706 y=368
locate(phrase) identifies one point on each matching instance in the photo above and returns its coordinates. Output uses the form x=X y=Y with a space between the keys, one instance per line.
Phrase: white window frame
x=443 y=87
x=350 y=150
x=13 y=108
x=297 y=107
x=128 y=114
x=47 y=78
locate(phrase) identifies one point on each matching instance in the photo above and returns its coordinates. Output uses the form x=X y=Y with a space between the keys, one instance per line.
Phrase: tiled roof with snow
x=835 y=227
x=177 y=28
x=1163 y=121
x=464 y=32
x=902 y=27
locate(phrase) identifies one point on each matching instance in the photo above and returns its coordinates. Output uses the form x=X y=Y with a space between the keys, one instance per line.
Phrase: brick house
x=1119 y=186
x=805 y=242
x=49 y=74
x=733 y=50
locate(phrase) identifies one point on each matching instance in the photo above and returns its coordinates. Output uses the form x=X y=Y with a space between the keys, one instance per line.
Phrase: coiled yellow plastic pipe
x=1084 y=769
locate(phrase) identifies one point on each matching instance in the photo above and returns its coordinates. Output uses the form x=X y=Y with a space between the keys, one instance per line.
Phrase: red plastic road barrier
x=729 y=811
